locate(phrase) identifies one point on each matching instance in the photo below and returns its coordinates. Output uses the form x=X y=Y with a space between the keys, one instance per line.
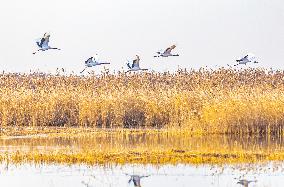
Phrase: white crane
x=167 y=52
x=93 y=61
x=246 y=59
x=43 y=43
x=135 y=65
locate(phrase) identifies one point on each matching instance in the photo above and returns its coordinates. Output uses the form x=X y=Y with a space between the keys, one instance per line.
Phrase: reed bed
x=227 y=101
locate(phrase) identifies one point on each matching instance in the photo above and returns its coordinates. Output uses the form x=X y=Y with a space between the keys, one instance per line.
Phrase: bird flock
x=132 y=65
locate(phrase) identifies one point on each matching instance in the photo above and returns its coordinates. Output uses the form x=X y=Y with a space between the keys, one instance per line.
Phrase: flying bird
x=93 y=61
x=43 y=43
x=167 y=52
x=135 y=65
x=246 y=59
x=136 y=179
x=245 y=182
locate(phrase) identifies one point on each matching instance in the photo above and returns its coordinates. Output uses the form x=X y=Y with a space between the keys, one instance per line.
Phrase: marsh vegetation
x=223 y=101
x=200 y=118
x=102 y=112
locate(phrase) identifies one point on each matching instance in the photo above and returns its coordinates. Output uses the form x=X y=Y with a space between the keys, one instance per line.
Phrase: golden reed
x=197 y=101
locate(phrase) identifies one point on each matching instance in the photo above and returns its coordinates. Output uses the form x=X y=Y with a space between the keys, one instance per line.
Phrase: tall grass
x=201 y=101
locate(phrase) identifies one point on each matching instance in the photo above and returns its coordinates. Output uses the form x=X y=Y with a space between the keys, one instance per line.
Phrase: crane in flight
x=135 y=65
x=246 y=59
x=43 y=43
x=93 y=61
x=167 y=52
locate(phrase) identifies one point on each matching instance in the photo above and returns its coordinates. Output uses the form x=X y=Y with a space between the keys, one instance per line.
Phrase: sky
x=207 y=33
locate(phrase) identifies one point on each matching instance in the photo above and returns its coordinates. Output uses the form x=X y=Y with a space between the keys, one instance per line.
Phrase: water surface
x=164 y=175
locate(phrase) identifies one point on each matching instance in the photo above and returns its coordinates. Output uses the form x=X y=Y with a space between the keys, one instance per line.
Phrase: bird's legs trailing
x=54 y=48
x=131 y=70
x=83 y=70
x=46 y=49
x=37 y=51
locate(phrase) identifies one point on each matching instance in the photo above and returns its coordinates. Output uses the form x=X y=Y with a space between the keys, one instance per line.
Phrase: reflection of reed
x=184 y=142
x=142 y=147
x=143 y=140
x=201 y=102
x=128 y=139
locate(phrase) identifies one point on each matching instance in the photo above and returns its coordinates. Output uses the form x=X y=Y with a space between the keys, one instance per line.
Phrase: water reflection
x=164 y=175
x=245 y=182
x=179 y=143
x=136 y=179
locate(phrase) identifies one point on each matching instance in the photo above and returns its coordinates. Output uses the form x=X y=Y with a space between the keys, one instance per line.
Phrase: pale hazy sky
x=207 y=32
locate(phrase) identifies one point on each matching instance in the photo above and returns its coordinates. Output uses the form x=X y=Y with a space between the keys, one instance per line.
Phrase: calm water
x=140 y=140
x=270 y=174
x=166 y=176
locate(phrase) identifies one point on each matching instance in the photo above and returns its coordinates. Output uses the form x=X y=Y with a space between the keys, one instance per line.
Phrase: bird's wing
x=39 y=42
x=173 y=46
x=44 y=44
x=128 y=65
x=245 y=57
x=46 y=35
x=135 y=63
x=89 y=60
x=47 y=39
x=251 y=58
x=94 y=60
x=136 y=181
x=242 y=59
x=42 y=41
x=96 y=57
x=168 y=50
